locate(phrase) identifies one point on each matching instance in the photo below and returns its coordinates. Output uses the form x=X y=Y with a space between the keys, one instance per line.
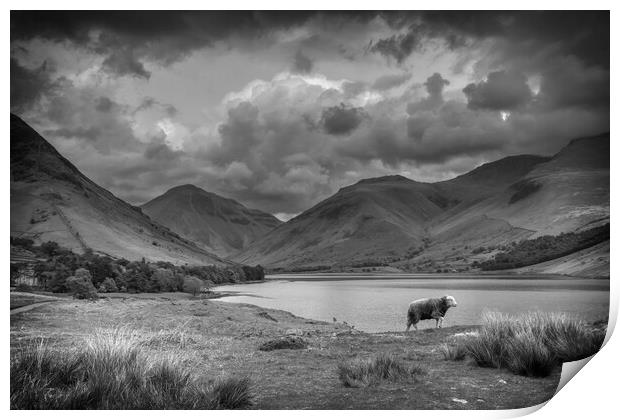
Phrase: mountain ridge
x=52 y=200
x=222 y=225
x=393 y=219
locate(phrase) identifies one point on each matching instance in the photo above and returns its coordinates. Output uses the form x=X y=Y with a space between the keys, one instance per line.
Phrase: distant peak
x=185 y=187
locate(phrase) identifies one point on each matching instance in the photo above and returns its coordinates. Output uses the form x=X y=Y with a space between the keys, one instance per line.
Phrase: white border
x=591 y=395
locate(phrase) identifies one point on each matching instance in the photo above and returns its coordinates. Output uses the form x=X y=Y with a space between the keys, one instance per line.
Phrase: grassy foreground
x=176 y=352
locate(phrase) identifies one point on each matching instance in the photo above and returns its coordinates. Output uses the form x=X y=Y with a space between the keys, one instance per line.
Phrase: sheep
x=429 y=308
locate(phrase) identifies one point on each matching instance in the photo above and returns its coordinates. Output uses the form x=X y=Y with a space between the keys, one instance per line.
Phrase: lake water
x=376 y=303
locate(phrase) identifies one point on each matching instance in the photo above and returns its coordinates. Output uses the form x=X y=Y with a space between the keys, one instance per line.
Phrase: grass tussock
x=453 y=351
x=111 y=372
x=531 y=344
x=359 y=373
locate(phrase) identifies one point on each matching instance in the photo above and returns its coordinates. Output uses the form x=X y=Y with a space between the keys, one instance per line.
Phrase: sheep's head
x=450 y=301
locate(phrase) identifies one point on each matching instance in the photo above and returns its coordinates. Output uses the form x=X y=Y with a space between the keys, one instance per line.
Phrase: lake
x=379 y=302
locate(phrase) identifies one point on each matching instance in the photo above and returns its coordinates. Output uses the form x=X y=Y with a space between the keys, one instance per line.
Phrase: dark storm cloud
x=104 y=104
x=570 y=84
x=127 y=38
x=584 y=34
x=28 y=86
x=342 y=119
x=501 y=90
x=123 y=62
x=302 y=63
x=391 y=81
x=398 y=47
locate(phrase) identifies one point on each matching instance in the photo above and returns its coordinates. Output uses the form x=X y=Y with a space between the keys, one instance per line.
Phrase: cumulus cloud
x=108 y=98
x=501 y=90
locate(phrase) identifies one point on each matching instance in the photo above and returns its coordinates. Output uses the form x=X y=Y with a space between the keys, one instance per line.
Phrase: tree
x=81 y=286
x=192 y=285
x=50 y=248
x=108 y=286
x=163 y=279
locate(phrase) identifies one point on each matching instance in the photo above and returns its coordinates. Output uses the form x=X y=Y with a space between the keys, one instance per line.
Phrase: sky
x=279 y=110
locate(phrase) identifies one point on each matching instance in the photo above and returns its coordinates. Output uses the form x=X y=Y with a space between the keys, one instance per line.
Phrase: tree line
x=545 y=248
x=62 y=271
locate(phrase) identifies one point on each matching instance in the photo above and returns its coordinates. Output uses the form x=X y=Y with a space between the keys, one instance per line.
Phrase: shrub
x=531 y=344
x=111 y=372
x=367 y=372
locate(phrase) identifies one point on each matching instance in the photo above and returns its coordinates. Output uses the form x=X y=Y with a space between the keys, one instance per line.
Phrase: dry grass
x=359 y=373
x=180 y=338
x=531 y=344
x=111 y=372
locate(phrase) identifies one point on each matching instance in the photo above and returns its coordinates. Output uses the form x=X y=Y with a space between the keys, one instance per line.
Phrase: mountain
x=51 y=200
x=221 y=225
x=426 y=225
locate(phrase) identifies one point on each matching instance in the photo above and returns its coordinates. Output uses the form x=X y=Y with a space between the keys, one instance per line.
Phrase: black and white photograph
x=306 y=209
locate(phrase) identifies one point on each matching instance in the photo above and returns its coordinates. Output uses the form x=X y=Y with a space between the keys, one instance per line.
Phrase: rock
x=459 y=401
x=501 y=381
x=294 y=331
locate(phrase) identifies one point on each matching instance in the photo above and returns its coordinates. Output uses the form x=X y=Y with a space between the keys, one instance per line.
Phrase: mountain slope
x=219 y=224
x=51 y=200
x=368 y=220
x=394 y=219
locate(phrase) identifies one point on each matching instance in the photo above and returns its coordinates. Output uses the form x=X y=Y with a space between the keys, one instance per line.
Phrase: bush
x=367 y=372
x=111 y=372
x=532 y=344
x=81 y=286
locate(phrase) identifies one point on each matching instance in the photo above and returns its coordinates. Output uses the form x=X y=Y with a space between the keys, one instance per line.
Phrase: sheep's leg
x=408 y=326
x=436 y=322
x=440 y=320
